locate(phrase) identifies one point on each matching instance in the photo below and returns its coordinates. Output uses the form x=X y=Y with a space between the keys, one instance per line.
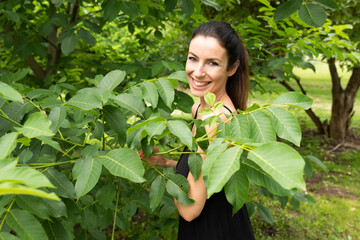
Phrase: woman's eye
x=213 y=64
x=192 y=58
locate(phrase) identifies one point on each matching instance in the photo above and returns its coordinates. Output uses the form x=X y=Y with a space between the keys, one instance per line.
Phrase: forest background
x=64 y=125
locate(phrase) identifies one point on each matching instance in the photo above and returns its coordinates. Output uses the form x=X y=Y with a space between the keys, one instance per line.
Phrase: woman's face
x=207 y=67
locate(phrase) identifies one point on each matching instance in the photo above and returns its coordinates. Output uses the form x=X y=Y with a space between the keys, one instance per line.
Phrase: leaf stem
x=3 y=115
x=6 y=212
x=45 y=165
x=38 y=107
x=115 y=213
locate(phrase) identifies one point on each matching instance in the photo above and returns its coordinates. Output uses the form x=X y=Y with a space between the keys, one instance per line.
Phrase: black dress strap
x=228 y=109
x=197 y=109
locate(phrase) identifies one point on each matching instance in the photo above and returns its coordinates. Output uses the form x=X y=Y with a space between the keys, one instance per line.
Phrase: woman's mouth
x=200 y=83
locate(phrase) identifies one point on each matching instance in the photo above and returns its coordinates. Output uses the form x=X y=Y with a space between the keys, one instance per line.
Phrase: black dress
x=216 y=221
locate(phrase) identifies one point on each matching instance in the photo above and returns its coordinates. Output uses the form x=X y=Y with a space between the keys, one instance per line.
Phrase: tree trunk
x=342 y=101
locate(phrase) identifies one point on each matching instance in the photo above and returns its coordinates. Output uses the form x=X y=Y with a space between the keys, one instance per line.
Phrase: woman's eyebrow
x=209 y=59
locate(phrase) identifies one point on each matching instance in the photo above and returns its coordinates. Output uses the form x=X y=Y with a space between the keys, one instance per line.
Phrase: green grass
x=336 y=214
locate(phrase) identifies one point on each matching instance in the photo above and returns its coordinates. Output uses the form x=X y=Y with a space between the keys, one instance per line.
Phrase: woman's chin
x=197 y=93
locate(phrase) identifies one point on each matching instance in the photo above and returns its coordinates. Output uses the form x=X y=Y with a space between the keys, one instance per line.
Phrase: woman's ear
x=233 y=68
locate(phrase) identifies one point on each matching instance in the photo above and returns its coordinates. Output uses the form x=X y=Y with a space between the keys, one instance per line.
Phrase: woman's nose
x=199 y=70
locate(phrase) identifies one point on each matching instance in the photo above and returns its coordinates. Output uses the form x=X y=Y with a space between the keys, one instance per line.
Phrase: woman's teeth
x=200 y=84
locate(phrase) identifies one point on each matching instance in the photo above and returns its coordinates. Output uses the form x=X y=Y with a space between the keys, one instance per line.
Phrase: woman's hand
x=154 y=160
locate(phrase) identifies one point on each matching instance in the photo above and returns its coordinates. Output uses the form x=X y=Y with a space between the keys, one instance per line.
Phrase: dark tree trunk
x=342 y=101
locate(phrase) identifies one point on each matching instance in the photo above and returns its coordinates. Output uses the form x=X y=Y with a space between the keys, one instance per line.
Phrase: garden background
x=84 y=83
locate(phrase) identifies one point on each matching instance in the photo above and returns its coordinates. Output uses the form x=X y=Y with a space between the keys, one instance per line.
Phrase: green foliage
x=78 y=116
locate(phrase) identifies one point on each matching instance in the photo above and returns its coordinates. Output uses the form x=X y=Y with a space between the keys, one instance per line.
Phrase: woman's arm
x=197 y=189
x=158 y=159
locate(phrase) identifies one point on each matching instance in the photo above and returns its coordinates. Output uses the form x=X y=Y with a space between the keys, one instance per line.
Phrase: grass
x=336 y=214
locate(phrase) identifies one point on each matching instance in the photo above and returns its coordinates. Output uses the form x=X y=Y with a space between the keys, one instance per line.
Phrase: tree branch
x=335 y=79
x=322 y=127
x=354 y=83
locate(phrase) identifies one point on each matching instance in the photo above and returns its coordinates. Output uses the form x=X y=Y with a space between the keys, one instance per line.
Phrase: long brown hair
x=237 y=85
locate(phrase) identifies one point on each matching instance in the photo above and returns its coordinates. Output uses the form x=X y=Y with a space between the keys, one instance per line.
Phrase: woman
x=217 y=62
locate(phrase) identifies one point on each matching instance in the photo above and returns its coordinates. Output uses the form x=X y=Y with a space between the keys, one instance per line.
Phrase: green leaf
x=286 y=9
x=179 y=75
x=206 y=111
x=240 y=128
x=318 y=162
x=57 y=3
x=157 y=67
x=157 y=119
x=150 y=93
x=36 y=125
x=111 y=9
x=285 y=124
x=312 y=14
x=178 y=187
x=210 y=98
x=170 y=5
x=130 y=102
x=8 y=163
x=7 y=144
x=88 y=176
x=265 y=213
x=157 y=190
x=109 y=83
x=181 y=130
x=57 y=116
x=117 y=122
x=69 y=43
x=130 y=9
x=64 y=188
x=261 y=129
x=214 y=150
x=27 y=176
x=259 y=177
x=33 y=205
x=331 y=4
x=166 y=91
x=195 y=163
x=56 y=208
x=285 y=168
x=9 y=93
x=154 y=128
x=225 y=165
x=218 y=105
x=187 y=7
x=124 y=163
x=86 y=36
x=56 y=230
x=8 y=236
x=50 y=142
x=295 y=99
x=14 y=188
x=85 y=99
x=212 y=3
x=236 y=189
x=25 y=225
x=12 y=16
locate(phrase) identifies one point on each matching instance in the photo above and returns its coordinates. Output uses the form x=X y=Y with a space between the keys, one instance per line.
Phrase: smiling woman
x=217 y=63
